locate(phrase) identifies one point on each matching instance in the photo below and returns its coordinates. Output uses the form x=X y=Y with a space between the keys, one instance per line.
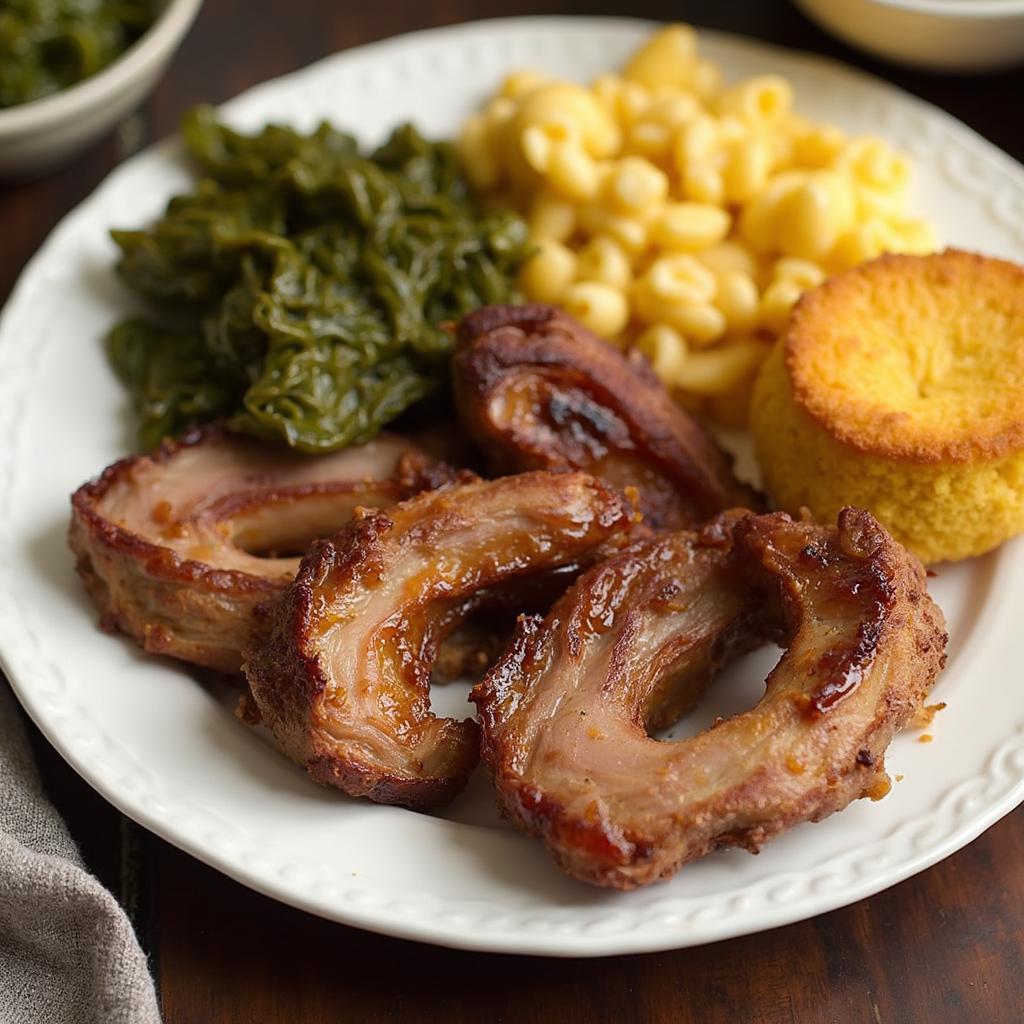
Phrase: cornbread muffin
x=899 y=387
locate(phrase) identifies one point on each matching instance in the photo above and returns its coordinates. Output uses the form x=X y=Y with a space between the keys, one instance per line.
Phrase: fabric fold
x=68 y=953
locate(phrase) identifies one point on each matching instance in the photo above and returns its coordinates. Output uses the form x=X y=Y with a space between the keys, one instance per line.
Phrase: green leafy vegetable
x=304 y=287
x=48 y=45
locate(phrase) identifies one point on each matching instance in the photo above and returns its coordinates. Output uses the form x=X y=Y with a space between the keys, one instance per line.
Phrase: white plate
x=169 y=754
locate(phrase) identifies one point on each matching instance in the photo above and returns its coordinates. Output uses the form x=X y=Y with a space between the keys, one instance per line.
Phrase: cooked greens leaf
x=170 y=379
x=48 y=45
x=316 y=283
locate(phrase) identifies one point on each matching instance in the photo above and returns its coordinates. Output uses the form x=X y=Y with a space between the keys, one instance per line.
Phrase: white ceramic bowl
x=40 y=135
x=947 y=35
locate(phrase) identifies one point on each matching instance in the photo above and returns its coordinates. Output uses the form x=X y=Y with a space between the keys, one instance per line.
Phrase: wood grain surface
x=947 y=945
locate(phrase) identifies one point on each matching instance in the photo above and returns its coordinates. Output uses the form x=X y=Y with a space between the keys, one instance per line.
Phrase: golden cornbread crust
x=939 y=510
x=917 y=358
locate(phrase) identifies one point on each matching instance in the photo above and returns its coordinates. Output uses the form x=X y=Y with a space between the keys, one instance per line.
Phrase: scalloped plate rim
x=389 y=921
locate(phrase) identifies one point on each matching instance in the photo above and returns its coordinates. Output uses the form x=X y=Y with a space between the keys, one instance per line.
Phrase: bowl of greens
x=71 y=69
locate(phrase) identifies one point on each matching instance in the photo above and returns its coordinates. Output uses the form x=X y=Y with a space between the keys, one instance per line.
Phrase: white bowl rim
x=966 y=10
x=37 y=115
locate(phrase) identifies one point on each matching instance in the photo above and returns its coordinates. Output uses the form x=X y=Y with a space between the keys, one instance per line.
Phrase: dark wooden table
x=945 y=946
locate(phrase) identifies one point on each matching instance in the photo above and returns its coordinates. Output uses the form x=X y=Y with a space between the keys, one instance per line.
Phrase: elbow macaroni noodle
x=682 y=218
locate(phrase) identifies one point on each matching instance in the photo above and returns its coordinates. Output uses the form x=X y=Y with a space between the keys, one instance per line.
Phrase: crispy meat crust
x=535 y=390
x=481 y=638
x=566 y=713
x=341 y=671
x=157 y=537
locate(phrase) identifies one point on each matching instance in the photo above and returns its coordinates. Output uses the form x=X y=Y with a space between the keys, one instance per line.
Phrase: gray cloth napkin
x=68 y=954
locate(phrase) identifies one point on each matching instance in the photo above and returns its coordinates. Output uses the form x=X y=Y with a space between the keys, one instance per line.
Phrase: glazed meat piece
x=479 y=640
x=566 y=713
x=178 y=547
x=535 y=390
x=341 y=674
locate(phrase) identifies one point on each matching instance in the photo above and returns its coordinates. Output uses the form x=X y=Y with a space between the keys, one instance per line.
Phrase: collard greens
x=48 y=45
x=303 y=287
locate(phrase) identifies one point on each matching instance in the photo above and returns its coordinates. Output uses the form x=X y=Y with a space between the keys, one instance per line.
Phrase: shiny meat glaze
x=342 y=672
x=565 y=714
x=535 y=390
x=178 y=547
